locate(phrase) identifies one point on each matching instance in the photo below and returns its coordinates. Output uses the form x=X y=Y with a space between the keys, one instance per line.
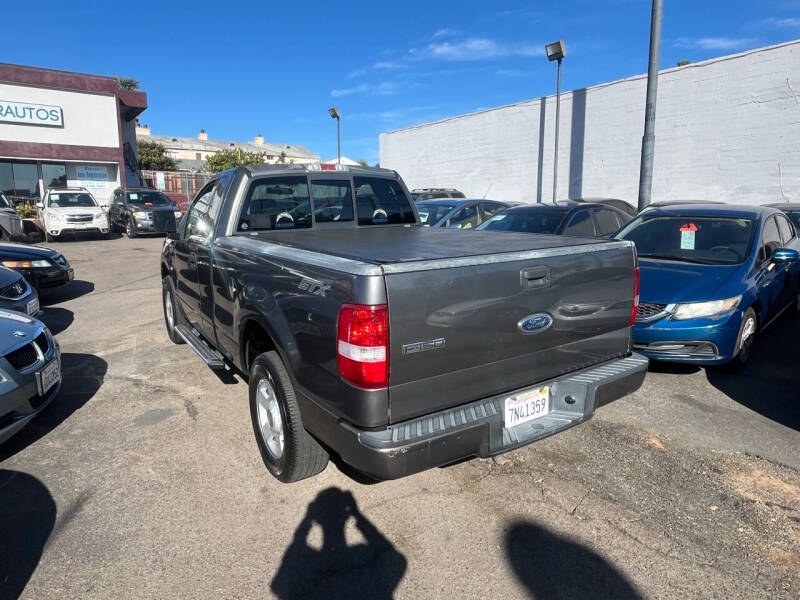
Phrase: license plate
x=526 y=407
x=32 y=307
x=48 y=377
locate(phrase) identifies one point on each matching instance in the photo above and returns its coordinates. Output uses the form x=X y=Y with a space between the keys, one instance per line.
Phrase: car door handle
x=534 y=277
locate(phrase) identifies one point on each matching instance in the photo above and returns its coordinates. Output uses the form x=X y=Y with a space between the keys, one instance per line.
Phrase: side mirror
x=785 y=255
x=40 y=205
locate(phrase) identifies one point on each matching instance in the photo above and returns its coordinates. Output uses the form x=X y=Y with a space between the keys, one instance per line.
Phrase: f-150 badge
x=313 y=286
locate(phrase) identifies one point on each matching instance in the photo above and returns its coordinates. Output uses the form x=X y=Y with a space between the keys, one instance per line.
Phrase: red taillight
x=363 y=345
x=635 y=307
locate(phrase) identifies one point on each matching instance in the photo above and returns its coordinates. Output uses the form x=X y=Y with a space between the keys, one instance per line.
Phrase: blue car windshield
x=530 y=221
x=702 y=240
x=430 y=214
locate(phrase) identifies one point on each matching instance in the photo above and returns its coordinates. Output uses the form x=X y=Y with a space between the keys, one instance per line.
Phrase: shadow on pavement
x=27 y=516
x=64 y=293
x=82 y=376
x=329 y=568
x=662 y=366
x=769 y=384
x=550 y=566
x=56 y=318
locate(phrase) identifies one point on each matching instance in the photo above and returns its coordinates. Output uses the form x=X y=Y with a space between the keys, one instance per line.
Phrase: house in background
x=191 y=153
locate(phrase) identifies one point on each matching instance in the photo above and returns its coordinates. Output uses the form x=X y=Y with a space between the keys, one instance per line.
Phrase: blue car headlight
x=696 y=310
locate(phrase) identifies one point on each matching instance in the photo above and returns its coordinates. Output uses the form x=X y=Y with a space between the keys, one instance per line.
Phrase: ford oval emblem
x=536 y=323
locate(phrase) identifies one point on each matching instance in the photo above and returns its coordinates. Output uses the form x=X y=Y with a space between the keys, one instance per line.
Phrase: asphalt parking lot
x=143 y=480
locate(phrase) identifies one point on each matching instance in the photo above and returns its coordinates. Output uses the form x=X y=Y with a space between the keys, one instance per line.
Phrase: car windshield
x=148 y=199
x=794 y=217
x=430 y=214
x=71 y=200
x=701 y=240
x=3 y=202
x=530 y=221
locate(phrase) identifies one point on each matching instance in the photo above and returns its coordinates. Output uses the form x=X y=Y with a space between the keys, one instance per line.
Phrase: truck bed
x=392 y=245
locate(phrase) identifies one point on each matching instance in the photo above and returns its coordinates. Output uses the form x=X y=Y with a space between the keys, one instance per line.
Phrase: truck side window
x=580 y=225
x=276 y=203
x=381 y=201
x=197 y=221
x=606 y=221
x=333 y=202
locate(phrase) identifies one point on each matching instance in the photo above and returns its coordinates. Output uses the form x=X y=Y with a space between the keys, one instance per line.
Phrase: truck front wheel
x=172 y=312
x=287 y=449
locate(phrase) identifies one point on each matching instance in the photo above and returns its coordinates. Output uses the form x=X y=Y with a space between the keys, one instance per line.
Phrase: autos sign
x=31 y=114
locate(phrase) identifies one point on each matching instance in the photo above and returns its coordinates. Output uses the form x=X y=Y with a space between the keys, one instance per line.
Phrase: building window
x=198 y=156
x=54 y=176
x=19 y=181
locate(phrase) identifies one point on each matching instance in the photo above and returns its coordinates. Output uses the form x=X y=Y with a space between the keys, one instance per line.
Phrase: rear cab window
x=276 y=203
x=381 y=201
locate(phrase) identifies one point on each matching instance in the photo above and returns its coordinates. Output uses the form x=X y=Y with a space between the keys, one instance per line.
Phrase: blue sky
x=276 y=67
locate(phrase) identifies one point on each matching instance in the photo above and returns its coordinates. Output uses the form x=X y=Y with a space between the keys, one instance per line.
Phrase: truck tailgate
x=456 y=332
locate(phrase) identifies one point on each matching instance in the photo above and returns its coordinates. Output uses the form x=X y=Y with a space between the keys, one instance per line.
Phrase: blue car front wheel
x=745 y=340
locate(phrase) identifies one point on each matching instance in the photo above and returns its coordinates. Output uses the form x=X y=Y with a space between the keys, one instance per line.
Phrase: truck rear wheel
x=287 y=449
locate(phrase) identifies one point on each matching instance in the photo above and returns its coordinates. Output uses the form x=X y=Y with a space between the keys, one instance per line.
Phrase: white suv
x=71 y=210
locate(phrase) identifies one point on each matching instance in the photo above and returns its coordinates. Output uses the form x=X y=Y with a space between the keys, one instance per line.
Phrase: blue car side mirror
x=785 y=255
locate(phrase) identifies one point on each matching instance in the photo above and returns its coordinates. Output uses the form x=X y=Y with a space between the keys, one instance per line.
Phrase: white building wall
x=727 y=129
x=89 y=119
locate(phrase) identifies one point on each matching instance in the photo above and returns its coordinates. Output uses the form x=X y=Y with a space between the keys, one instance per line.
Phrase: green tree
x=128 y=83
x=227 y=159
x=683 y=63
x=282 y=157
x=153 y=157
x=362 y=162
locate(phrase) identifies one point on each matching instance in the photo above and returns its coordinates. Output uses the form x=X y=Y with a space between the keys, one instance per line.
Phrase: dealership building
x=59 y=128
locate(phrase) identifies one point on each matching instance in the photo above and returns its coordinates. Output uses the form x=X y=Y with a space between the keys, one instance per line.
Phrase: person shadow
x=27 y=517
x=550 y=566
x=372 y=569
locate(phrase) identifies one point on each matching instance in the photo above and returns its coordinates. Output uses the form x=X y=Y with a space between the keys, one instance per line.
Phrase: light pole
x=649 y=138
x=556 y=51
x=334 y=113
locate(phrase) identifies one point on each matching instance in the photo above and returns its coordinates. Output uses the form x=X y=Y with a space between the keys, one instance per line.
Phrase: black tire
x=302 y=456
x=130 y=228
x=744 y=348
x=168 y=300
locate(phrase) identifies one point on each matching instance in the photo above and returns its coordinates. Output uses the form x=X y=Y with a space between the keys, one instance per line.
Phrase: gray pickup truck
x=396 y=347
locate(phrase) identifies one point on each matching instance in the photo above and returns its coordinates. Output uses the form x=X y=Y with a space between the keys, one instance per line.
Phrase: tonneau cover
x=387 y=245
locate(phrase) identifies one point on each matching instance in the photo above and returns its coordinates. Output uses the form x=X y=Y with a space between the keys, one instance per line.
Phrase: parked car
x=140 y=210
x=10 y=221
x=629 y=209
x=580 y=219
x=458 y=214
x=71 y=210
x=431 y=193
x=41 y=267
x=30 y=370
x=713 y=276
x=396 y=346
x=791 y=210
x=17 y=294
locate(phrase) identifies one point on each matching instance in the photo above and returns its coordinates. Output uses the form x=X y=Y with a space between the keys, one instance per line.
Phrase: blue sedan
x=712 y=277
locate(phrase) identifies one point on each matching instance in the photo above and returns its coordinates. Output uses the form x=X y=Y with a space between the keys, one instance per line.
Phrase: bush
x=26 y=211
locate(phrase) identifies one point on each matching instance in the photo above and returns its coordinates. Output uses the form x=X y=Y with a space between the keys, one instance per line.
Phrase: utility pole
x=558 y=120
x=649 y=138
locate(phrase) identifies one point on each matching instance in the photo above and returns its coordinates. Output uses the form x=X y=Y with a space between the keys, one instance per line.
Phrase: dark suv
x=137 y=210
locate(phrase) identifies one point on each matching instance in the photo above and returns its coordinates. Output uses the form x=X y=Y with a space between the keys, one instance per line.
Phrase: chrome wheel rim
x=170 y=311
x=270 y=421
x=748 y=329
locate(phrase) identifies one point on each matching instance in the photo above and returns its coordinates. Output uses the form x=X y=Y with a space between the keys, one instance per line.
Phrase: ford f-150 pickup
x=395 y=346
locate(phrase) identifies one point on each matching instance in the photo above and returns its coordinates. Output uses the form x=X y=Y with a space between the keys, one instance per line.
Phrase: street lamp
x=334 y=113
x=556 y=51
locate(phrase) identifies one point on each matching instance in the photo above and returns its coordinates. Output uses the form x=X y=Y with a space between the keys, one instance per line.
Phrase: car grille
x=43 y=342
x=13 y=291
x=648 y=310
x=24 y=357
x=80 y=218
